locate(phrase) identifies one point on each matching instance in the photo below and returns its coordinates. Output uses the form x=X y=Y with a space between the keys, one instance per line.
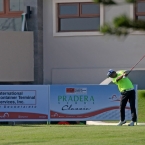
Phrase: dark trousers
x=128 y=96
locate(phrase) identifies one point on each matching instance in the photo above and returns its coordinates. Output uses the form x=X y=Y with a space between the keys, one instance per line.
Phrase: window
x=11 y=8
x=140 y=10
x=77 y=17
x=1 y=6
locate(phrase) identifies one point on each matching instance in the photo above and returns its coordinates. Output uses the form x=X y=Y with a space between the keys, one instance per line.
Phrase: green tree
x=121 y=25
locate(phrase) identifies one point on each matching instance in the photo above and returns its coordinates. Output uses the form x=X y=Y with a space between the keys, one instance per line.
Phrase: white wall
x=86 y=59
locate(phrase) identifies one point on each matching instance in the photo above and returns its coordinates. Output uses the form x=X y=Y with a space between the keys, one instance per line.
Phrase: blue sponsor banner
x=24 y=103
x=85 y=103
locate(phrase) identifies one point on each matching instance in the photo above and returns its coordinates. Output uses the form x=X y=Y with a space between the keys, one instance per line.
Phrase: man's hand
x=125 y=74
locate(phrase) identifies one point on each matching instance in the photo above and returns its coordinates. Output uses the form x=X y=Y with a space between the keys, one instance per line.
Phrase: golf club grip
x=128 y=73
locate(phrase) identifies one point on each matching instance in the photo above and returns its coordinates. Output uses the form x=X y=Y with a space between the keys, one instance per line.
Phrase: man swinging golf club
x=127 y=91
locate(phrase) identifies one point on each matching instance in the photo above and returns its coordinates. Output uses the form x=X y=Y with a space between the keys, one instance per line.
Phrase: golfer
x=127 y=91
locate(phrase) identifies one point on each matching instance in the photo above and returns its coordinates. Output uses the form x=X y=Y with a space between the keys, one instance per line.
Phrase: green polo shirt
x=124 y=83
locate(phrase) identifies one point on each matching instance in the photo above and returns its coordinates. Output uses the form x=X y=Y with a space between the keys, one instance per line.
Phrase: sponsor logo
x=5 y=115
x=55 y=115
x=76 y=90
x=114 y=98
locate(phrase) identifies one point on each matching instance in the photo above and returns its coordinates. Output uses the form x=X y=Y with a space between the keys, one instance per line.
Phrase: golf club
x=135 y=65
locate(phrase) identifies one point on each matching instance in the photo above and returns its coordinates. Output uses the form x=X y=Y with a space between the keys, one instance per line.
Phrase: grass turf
x=72 y=135
x=141 y=106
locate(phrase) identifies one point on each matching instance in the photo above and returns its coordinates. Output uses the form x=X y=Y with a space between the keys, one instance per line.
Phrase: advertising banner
x=85 y=102
x=24 y=102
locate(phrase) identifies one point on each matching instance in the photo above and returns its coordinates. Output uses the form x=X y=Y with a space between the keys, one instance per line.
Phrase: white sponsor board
x=85 y=103
x=24 y=102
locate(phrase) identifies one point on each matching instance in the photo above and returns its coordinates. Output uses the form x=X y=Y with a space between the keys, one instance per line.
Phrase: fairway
x=71 y=135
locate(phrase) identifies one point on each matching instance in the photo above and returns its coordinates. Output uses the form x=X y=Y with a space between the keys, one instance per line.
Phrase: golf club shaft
x=135 y=65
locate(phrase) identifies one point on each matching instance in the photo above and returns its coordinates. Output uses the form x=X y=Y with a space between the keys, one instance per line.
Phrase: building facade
x=68 y=47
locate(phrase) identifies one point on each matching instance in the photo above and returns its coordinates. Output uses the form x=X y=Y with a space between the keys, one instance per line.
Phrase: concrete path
x=107 y=123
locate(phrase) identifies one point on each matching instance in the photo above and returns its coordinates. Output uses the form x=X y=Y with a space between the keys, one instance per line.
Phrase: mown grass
x=141 y=105
x=71 y=135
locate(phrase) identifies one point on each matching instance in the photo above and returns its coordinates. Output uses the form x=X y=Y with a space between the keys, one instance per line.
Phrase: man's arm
x=123 y=75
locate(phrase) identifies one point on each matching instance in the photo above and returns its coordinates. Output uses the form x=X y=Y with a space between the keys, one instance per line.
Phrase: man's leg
x=132 y=105
x=123 y=103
